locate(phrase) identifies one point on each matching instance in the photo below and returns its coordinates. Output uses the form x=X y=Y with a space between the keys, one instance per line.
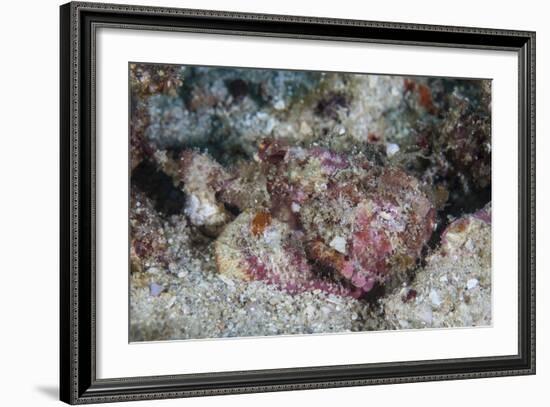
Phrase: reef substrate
x=268 y=202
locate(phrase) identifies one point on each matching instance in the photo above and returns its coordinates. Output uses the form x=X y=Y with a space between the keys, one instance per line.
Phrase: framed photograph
x=254 y=203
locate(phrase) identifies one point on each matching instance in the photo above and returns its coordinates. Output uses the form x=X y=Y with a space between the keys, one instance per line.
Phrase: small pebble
x=295 y=207
x=339 y=244
x=155 y=289
x=434 y=298
x=391 y=149
x=279 y=105
x=472 y=283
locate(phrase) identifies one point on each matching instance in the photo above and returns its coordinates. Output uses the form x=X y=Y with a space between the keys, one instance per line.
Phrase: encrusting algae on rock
x=454 y=288
x=269 y=202
x=379 y=217
x=327 y=198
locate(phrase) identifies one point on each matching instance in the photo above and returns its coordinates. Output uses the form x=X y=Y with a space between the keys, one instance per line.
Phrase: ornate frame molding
x=78 y=380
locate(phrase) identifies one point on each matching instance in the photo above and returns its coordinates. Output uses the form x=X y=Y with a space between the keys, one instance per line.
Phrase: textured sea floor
x=194 y=131
x=189 y=299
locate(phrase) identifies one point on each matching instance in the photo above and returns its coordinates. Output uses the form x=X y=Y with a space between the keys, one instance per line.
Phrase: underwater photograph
x=277 y=202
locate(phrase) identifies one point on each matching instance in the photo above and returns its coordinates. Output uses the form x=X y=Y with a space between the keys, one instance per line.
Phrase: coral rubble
x=454 y=288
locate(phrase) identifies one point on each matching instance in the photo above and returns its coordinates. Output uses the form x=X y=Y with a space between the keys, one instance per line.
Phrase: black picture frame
x=78 y=382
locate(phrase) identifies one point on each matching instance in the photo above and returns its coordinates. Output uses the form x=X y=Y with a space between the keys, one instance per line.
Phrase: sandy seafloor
x=437 y=131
